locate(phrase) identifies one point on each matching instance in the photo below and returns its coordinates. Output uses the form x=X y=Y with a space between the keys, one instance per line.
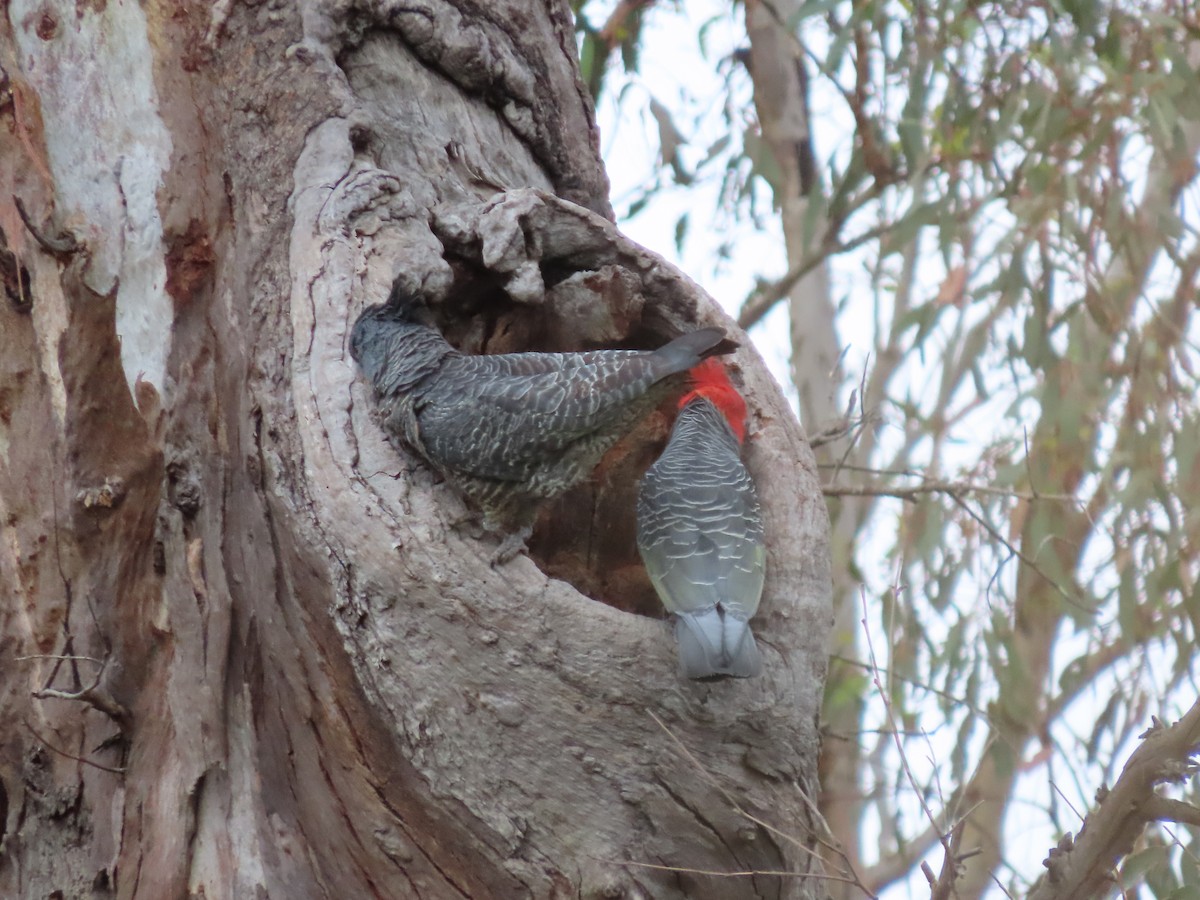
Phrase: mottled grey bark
x=313 y=684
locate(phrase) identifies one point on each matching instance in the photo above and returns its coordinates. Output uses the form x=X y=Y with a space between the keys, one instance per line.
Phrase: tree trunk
x=250 y=649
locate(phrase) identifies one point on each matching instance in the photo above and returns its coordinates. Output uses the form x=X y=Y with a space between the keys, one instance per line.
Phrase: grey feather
x=700 y=534
x=512 y=430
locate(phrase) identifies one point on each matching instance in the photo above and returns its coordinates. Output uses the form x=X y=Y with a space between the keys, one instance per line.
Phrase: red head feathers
x=711 y=381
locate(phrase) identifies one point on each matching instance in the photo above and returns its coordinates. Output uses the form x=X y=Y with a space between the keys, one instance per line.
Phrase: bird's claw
x=511 y=546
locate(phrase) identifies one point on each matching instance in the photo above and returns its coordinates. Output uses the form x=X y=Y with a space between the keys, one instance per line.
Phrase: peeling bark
x=328 y=690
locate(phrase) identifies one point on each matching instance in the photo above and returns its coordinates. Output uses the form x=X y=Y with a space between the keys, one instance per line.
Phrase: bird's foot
x=468 y=523
x=511 y=546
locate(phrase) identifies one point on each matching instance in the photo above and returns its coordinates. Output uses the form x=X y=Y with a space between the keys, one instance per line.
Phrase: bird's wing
x=700 y=533
x=491 y=423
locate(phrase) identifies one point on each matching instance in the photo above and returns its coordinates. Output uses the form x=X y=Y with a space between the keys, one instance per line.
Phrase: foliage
x=1010 y=189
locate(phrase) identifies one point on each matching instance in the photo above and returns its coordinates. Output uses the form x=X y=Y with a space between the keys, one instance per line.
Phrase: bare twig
x=943 y=887
x=894 y=866
x=1002 y=888
x=955 y=491
x=93 y=695
x=62 y=245
x=760 y=302
x=836 y=431
x=850 y=876
x=927 y=486
x=950 y=488
x=1019 y=554
x=943 y=837
x=953 y=698
x=861 y=393
x=1164 y=809
x=87 y=762
x=1066 y=800
x=748 y=873
x=69 y=657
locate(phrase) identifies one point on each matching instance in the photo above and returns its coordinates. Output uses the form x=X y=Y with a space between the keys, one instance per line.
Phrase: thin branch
x=943 y=887
x=93 y=695
x=955 y=490
x=1067 y=800
x=846 y=425
x=891 y=714
x=927 y=486
x=872 y=470
x=950 y=488
x=996 y=881
x=1164 y=809
x=1082 y=867
x=61 y=657
x=861 y=393
x=850 y=877
x=760 y=302
x=850 y=661
x=729 y=798
x=749 y=873
x=895 y=866
x=62 y=245
x=1001 y=539
x=840 y=429
x=64 y=753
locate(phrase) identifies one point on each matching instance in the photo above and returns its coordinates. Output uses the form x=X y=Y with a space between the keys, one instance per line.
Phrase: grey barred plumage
x=512 y=430
x=700 y=534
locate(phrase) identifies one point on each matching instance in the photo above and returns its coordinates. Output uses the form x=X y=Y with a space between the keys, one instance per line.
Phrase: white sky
x=674 y=72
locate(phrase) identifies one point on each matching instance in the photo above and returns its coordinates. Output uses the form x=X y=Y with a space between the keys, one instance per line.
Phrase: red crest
x=711 y=381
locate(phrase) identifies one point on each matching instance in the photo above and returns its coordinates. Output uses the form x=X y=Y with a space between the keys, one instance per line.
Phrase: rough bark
x=312 y=684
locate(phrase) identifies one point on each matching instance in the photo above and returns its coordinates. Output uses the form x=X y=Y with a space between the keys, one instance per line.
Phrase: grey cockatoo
x=512 y=430
x=700 y=531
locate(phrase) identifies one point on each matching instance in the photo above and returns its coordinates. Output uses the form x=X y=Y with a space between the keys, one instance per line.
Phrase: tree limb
x=612 y=32
x=949 y=488
x=1081 y=868
x=762 y=300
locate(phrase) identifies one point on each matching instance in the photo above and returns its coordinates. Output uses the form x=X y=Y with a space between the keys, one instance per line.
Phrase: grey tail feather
x=705 y=649
x=689 y=349
x=743 y=659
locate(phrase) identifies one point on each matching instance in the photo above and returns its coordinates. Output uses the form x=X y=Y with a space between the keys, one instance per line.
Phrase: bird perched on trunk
x=700 y=532
x=512 y=430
